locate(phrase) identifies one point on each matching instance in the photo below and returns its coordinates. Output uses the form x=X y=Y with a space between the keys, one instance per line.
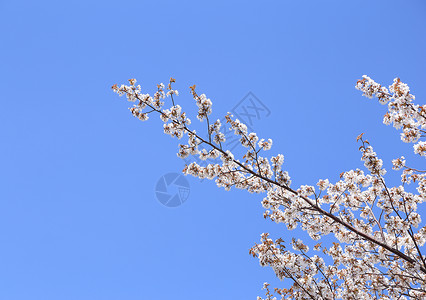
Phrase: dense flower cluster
x=402 y=112
x=378 y=238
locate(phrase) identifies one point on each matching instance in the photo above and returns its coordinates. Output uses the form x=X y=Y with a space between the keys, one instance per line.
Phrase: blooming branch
x=377 y=250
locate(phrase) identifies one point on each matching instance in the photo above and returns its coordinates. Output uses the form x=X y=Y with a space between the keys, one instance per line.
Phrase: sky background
x=79 y=218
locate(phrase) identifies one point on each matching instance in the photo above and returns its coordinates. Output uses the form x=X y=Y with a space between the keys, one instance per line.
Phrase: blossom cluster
x=402 y=112
x=378 y=245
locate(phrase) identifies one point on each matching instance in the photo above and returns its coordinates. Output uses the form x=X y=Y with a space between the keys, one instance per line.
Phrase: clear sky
x=79 y=217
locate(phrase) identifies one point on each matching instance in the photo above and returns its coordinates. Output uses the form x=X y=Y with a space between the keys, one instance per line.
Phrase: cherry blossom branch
x=307 y=200
x=294 y=207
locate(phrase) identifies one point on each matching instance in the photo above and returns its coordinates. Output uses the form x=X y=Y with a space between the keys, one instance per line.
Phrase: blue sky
x=79 y=218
